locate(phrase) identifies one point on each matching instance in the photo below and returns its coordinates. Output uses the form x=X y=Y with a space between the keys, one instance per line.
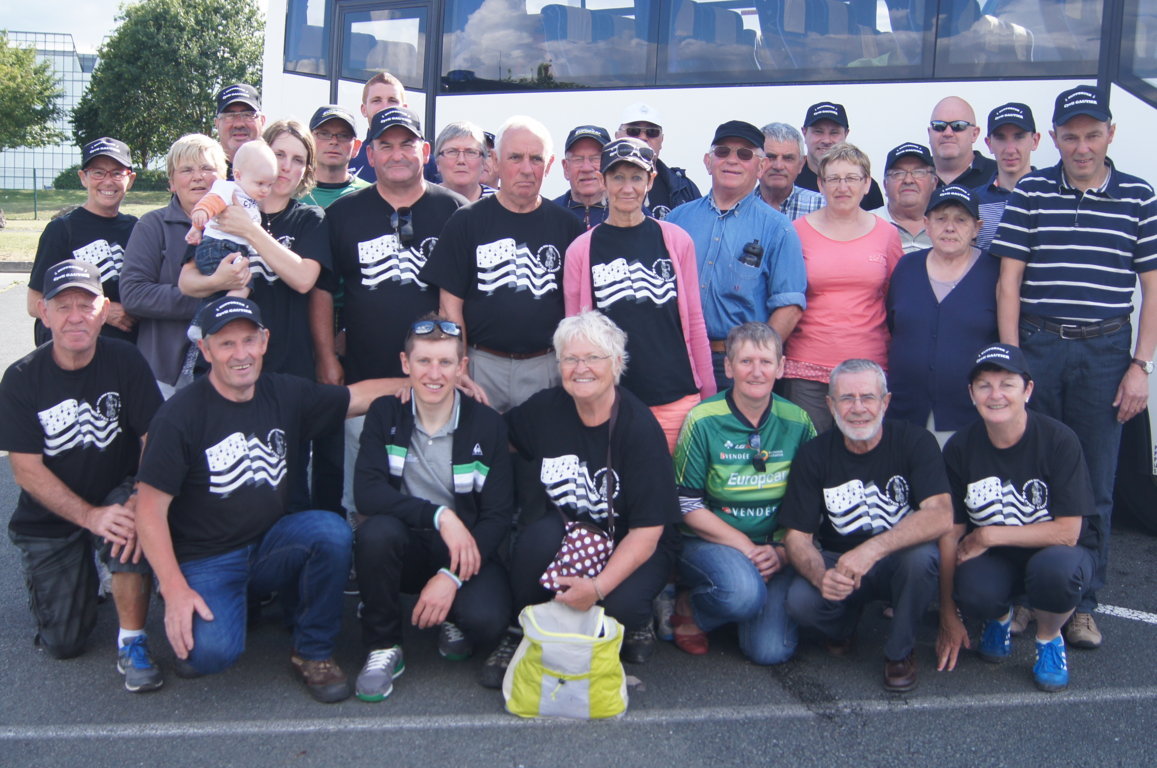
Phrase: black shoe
x=638 y=645
x=494 y=669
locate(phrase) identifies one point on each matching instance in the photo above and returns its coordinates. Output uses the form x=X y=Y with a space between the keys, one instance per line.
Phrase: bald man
x=952 y=131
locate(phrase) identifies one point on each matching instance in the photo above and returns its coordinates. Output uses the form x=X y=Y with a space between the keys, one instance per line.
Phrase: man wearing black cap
x=211 y=512
x=824 y=126
x=1073 y=241
x=96 y=232
x=909 y=179
x=952 y=131
x=1012 y=138
x=336 y=136
x=586 y=197
x=76 y=412
x=239 y=119
x=749 y=256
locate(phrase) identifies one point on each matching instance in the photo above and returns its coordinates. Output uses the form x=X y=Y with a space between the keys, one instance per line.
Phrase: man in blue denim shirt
x=749 y=257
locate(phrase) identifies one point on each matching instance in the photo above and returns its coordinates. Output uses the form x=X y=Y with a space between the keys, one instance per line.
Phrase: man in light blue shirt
x=749 y=256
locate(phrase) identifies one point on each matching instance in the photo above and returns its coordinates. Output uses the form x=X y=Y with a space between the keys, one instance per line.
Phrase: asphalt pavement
x=715 y=710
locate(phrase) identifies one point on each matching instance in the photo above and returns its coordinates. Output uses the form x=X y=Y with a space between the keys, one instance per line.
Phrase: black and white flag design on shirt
x=568 y=483
x=384 y=258
x=257 y=265
x=505 y=263
x=108 y=258
x=238 y=460
x=993 y=502
x=623 y=280
x=856 y=507
x=76 y=424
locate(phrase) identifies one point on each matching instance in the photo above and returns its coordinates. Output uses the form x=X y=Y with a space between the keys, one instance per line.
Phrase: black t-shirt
x=225 y=463
x=571 y=461
x=507 y=267
x=633 y=283
x=847 y=498
x=99 y=240
x=659 y=198
x=1041 y=478
x=383 y=294
x=873 y=200
x=87 y=424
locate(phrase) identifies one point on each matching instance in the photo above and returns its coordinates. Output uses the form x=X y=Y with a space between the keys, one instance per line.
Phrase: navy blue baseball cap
x=113 y=149
x=332 y=112
x=219 y=313
x=239 y=92
x=826 y=110
x=737 y=129
x=1012 y=113
x=1082 y=100
x=388 y=118
x=72 y=273
x=593 y=132
x=1003 y=356
x=908 y=149
x=954 y=194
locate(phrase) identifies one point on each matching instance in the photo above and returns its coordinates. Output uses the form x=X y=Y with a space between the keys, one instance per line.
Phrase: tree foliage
x=29 y=98
x=159 y=72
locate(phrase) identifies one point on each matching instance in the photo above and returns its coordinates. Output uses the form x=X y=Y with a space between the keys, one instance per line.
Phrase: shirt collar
x=1108 y=187
x=449 y=426
x=738 y=205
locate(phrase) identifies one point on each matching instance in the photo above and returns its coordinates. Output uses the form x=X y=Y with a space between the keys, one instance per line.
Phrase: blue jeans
x=305 y=555
x=727 y=588
x=1075 y=382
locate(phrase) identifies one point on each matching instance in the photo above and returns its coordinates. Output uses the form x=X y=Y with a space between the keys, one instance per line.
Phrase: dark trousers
x=1054 y=578
x=391 y=559
x=327 y=464
x=907 y=579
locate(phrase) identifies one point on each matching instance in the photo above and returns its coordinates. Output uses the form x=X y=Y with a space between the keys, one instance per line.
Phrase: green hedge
x=148 y=180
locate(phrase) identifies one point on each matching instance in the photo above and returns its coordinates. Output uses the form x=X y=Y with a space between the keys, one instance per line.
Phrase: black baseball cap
x=594 y=132
x=826 y=110
x=72 y=273
x=239 y=92
x=628 y=150
x=332 y=112
x=1012 y=113
x=954 y=194
x=388 y=118
x=737 y=129
x=106 y=147
x=219 y=313
x=1003 y=356
x=908 y=149
x=1082 y=100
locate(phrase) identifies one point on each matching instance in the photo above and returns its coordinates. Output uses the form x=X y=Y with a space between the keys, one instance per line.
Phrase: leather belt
x=513 y=355
x=718 y=345
x=1076 y=331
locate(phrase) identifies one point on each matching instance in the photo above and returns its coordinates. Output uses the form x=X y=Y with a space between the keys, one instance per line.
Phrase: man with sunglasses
x=434 y=481
x=749 y=256
x=380 y=238
x=951 y=133
x=672 y=187
x=239 y=120
x=825 y=125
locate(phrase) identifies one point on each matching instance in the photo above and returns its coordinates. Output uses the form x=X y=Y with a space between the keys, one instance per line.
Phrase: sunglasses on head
x=722 y=151
x=625 y=150
x=635 y=131
x=956 y=125
x=402 y=220
x=426 y=327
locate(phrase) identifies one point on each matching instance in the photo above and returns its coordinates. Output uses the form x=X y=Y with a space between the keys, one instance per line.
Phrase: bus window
x=1139 y=49
x=307 y=37
x=385 y=40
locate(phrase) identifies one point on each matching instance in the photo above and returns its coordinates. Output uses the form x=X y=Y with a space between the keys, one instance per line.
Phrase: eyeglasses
x=343 y=137
x=454 y=154
x=426 y=327
x=100 y=174
x=722 y=151
x=402 y=221
x=581 y=160
x=851 y=180
x=956 y=125
x=590 y=361
x=242 y=116
x=635 y=131
x=896 y=174
x=759 y=458
x=865 y=400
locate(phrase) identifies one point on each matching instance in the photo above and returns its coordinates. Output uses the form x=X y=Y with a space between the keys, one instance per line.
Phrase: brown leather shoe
x=323 y=679
x=900 y=676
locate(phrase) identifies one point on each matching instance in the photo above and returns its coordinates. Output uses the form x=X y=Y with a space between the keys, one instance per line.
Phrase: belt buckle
x=1078 y=330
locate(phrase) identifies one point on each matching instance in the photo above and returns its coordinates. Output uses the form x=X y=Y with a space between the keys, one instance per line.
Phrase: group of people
x=317 y=363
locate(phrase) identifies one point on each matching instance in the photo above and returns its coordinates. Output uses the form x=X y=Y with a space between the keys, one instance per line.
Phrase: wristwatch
x=1144 y=365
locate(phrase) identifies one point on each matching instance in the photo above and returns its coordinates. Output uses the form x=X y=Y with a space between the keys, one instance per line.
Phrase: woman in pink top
x=849 y=255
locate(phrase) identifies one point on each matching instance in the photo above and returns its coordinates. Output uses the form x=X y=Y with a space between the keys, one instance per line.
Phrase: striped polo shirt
x=1082 y=250
x=992 y=198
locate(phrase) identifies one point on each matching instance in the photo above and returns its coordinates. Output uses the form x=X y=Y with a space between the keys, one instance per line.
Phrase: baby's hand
x=194 y=236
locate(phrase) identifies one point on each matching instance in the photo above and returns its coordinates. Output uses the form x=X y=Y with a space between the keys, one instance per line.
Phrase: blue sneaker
x=136 y=663
x=996 y=640
x=1051 y=671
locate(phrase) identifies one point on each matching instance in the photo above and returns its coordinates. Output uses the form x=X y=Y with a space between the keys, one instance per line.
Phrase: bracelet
x=453 y=576
x=598 y=592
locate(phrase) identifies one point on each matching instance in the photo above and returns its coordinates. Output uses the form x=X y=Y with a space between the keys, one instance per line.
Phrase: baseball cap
x=1082 y=100
x=633 y=151
x=641 y=113
x=388 y=118
x=106 y=147
x=1013 y=113
x=1002 y=356
x=826 y=110
x=72 y=273
x=908 y=149
x=737 y=129
x=332 y=112
x=239 y=92
x=219 y=313
x=587 y=132
x=954 y=194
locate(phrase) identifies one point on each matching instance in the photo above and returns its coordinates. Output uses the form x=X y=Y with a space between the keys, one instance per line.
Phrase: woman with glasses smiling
x=461 y=156
x=849 y=255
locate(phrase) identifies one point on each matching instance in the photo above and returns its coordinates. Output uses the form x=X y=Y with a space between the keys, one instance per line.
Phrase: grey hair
x=457 y=130
x=857 y=365
x=784 y=132
x=599 y=330
x=526 y=123
x=759 y=334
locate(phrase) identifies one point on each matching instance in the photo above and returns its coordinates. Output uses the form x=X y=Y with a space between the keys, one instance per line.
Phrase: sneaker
x=494 y=669
x=452 y=644
x=1022 y=616
x=136 y=663
x=351 y=585
x=323 y=678
x=1082 y=632
x=996 y=640
x=664 y=608
x=376 y=680
x=638 y=645
x=1051 y=671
